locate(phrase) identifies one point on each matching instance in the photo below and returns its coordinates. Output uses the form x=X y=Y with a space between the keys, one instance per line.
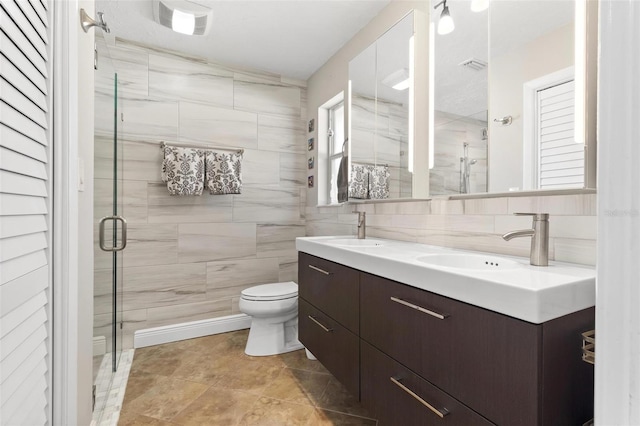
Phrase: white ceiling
x=292 y=37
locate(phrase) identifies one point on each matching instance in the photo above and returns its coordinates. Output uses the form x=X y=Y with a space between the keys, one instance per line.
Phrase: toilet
x=274 y=323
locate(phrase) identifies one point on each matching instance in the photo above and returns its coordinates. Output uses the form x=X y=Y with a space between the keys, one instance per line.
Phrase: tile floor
x=210 y=381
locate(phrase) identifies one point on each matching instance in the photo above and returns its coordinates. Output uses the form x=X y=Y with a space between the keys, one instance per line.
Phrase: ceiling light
x=183 y=23
x=445 y=24
x=479 y=5
x=183 y=16
x=398 y=79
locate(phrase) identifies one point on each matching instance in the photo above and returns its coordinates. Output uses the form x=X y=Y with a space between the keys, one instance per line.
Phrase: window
x=335 y=142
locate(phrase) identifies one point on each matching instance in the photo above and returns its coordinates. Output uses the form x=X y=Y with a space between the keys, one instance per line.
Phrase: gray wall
x=189 y=257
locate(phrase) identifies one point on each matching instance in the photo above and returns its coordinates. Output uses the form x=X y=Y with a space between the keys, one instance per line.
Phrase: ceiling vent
x=473 y=64
x=183 y=16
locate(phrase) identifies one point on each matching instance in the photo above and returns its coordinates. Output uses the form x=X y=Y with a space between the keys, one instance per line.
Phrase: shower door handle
x=124 y=233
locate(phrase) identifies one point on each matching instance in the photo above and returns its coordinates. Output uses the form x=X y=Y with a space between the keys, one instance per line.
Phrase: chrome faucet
x=362 y=225
x=539 y=238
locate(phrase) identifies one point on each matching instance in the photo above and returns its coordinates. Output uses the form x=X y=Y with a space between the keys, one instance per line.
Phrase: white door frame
x=65 y=392
x=529 y=132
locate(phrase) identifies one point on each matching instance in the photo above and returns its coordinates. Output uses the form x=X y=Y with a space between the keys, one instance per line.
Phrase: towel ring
x=343 y=146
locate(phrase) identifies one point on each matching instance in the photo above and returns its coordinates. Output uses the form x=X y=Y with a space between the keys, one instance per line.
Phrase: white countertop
x=531 y=293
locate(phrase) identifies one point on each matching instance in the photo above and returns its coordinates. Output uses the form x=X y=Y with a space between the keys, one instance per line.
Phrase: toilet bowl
x=274 y=322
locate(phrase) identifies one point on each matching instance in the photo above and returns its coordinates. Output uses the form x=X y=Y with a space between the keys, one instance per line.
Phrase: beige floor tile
x=299 y=361
x=250 y=374
x=203 y=367
x=299 y=386
x=166 y=398
x=216 y=406
x=272 y=412
x=331 y=418
x=161 y=360
x=134 y=419
x=337 y=398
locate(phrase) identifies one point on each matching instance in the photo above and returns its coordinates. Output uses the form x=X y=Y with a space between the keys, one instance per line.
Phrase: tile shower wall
x=451 y=132
x=188 y=258
x=380 y=129
x=475 y=224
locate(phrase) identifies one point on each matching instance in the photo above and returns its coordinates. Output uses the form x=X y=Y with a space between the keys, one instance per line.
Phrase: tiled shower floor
x=210 y=381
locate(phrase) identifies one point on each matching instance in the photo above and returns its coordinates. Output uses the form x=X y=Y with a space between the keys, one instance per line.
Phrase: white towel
x=224 y=172
x=183 y=170
x=359 y=181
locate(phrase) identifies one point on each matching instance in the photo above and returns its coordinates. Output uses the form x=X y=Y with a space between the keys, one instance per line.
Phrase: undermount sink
x=353 y=242
x=469 y=261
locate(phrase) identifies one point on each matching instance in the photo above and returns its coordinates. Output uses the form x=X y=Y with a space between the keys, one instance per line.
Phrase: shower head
x=87 y=22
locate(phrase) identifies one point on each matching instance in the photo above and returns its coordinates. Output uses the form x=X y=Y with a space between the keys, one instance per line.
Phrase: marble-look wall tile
x=142 y=160
x=288 y=268
x=400 y=234
x=461 y=223
x=276 y=239
x=134 y=201
x=260 y=167
x=293 y=170
x=575 y=251
x=569 y=205
x=150 y=120
x=447 y=207
x=189 y=80
x=164 y=208
x=266 y=204
x=132 y=66
x=270 y=98
x=217 y=126
x=205 y=242
x=490 y=206
x=151 y=244
x=283 y=134
x=241 y=272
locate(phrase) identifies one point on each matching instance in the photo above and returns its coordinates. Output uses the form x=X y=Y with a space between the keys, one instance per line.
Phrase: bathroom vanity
x=395 y=324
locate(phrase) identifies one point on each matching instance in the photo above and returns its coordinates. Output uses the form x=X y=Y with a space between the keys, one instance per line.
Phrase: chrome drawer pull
x=419 y=308
x=440 y=413
x=328 y=330
x=315 y=268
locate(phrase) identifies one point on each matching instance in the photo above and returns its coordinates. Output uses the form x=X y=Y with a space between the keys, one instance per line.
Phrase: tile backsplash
x=472 y=224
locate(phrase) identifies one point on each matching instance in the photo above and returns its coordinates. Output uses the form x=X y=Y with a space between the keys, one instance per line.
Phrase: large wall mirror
x=513 y=97
x=381 y=109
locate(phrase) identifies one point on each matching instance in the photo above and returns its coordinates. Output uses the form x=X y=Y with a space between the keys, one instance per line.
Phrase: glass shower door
x=110 y=225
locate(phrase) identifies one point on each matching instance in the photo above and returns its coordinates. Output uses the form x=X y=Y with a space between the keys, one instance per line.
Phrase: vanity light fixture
x=183 y=16
x=479 y=5
x=445 y=24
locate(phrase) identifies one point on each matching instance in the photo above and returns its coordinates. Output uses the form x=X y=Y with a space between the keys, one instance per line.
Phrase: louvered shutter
x=24 y=205
x=560 y=159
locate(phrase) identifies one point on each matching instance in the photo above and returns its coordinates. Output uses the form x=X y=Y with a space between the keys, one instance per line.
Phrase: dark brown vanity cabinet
x=329 y=318
x=426 y=359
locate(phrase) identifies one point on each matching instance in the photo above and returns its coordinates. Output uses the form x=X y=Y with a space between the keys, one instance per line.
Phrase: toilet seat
x=266 y=292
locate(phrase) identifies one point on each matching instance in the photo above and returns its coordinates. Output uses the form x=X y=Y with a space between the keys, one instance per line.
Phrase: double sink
x=504 y=284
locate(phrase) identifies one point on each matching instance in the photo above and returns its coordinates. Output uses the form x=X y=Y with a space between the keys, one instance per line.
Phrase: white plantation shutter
x=25 y=119
x=560 y=159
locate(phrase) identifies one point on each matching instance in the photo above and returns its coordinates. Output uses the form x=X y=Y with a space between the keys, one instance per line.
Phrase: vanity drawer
x=397 y=396
x=335 y=347
x=488 y=360
x=330 y=287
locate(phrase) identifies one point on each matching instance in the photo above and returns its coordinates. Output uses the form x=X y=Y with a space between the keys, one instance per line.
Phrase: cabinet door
x=398 y=396
x=487 y=360
x=330 y=287
x=334 y=346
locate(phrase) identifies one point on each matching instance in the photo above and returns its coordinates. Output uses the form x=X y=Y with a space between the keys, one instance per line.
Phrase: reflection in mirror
x=381 y=128
x=509 y=98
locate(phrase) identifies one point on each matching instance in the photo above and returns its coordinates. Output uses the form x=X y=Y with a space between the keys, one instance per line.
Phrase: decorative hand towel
x=184 y=171
x=224 y=172
x=359 y=183
x=379 y=182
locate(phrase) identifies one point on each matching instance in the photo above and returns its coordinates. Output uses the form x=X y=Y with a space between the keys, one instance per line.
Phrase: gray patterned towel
x=359 y=182
x=379 y=182
x=183 y=170
x=224 y=172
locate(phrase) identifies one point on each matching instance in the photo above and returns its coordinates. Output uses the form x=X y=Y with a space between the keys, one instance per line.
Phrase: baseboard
x=190 y=330
x=99 y=345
